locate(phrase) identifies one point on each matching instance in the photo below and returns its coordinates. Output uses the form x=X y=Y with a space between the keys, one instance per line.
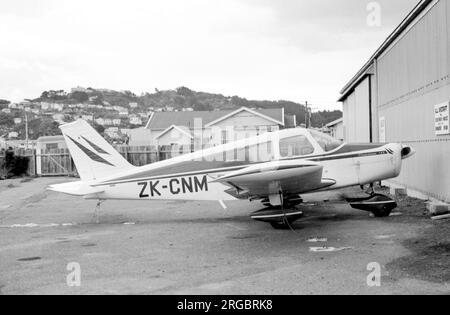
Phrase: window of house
x=224 y=136
x=295 y=146
x=51 y=146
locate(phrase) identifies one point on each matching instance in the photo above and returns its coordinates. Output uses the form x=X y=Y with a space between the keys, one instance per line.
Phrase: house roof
x=336 y=122
x=254 y=112
x=164 y=120
x=183 y=130
x=367 y=68
x=45 y=139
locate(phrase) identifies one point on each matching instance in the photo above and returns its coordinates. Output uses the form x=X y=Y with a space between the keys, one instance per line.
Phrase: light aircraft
x=275 y=168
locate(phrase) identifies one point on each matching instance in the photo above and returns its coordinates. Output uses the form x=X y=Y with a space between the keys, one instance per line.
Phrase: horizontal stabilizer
x=75 y=189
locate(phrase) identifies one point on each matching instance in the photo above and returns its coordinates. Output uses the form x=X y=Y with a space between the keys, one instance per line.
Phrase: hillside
x=179 y=99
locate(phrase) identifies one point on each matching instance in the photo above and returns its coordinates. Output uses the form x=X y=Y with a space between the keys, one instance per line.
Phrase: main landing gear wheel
x=283 y=225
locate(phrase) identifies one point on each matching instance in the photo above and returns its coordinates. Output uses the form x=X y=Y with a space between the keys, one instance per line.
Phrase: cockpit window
x=327 y=142
x=295 y=146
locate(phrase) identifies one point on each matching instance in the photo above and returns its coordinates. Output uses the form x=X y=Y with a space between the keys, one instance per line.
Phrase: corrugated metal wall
x=356 y=114
x=413 y=76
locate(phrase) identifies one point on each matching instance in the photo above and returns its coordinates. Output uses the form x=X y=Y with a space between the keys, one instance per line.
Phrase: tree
x=41 y=127
x=6 y=120
x=80 y=97
x=4 y=103
x=184 y=91
x=203 y=107
x=44 y=95
x=99 y=128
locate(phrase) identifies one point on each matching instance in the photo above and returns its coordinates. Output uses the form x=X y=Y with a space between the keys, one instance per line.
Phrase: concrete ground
x=198 y=248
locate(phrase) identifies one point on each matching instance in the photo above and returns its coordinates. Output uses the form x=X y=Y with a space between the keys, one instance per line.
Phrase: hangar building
x=402 y=94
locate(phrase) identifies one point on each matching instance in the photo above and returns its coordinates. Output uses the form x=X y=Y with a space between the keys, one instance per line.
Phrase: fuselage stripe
x=221 y=170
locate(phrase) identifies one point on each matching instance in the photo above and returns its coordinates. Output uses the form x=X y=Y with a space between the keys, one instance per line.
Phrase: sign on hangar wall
x=442 y=121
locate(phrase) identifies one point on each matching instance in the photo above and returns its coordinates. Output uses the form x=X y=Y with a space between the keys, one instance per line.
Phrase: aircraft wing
x=291 y=177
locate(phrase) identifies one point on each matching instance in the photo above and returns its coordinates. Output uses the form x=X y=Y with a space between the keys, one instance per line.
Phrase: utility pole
x=309 y=116
x=306 y=114
x=26 y=130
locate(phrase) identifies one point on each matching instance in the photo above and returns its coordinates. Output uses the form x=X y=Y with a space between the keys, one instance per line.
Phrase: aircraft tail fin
x=93 y=156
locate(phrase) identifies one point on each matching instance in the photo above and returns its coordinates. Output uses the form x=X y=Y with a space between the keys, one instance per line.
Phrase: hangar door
x=357 y=114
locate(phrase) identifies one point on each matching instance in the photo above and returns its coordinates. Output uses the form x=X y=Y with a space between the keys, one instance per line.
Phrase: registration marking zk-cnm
x=175 y=186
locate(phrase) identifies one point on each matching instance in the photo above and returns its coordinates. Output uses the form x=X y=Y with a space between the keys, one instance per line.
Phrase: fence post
x=35 y=162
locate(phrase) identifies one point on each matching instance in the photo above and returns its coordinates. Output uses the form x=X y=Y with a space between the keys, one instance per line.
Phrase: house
x=100 y=121
x=79 y=89
x=6 y=110
x=133 y=105
x=138 y=136
x=3 y=144
x=119 y=108
x=13 y=135
x=212 y=128
x=45 y=105
x=87 y=117
x=336 y=129
x=112 y=132
x=58 y=107
x=123 y=113
x=135 y=120
x=19 y=144
x=108 y=122
x=17 y=121
x=58 y=118
x=116 y=122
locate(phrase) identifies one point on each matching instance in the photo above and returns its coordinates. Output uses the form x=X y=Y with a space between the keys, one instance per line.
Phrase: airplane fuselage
x=347 y=169
x=289 y=162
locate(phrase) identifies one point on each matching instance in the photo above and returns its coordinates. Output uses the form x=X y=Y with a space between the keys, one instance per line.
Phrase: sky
x=296 y=50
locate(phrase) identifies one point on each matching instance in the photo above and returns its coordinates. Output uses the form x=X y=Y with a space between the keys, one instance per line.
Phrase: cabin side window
x=262 y=152
x=295 y=146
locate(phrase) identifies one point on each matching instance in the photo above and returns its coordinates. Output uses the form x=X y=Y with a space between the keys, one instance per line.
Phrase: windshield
x=295 y=146
x=327 y=142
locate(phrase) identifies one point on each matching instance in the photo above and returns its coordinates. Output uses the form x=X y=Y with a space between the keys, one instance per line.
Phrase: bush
x=15 y=165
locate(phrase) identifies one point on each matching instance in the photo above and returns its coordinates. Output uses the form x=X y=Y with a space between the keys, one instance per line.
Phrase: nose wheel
x=381 y=206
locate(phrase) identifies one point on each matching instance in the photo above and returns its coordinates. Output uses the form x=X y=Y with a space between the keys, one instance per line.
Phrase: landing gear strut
x=97 y=211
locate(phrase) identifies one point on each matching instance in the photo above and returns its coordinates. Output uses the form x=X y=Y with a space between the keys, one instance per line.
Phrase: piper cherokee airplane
x=275 y=168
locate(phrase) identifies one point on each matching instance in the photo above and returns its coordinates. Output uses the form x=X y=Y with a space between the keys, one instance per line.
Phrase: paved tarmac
x=199 y=248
